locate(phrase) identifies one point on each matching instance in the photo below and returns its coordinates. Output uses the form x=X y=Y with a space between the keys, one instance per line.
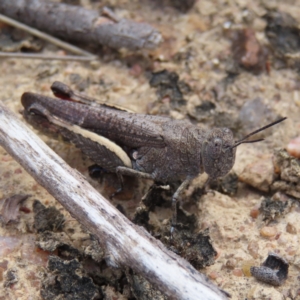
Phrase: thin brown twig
x=46 y=56
x=45 y=36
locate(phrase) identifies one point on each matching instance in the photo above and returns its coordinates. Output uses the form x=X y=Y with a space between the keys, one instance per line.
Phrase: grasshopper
x=127 y=143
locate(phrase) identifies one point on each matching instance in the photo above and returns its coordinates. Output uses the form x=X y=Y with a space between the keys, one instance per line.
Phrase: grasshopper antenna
x=243 y=140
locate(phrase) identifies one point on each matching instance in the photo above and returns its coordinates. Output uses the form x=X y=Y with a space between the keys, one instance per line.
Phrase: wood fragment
x=82 y=25
x=126 y=244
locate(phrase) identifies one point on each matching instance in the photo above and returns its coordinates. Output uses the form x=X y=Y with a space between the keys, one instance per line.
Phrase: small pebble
x=213 y=275
x=253 y=248
x=293 y=147
x=291 y=251
x=230 y=263
x=268 y=232
x=254 y=212
x=247 y=264
x=237 y=272
x=290 y=228
x=259 y=174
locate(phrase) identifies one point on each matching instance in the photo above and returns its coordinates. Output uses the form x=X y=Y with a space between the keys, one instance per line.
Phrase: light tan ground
x=232 y=228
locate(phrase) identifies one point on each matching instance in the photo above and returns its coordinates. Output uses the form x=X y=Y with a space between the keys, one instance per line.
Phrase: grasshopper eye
x=215 y=147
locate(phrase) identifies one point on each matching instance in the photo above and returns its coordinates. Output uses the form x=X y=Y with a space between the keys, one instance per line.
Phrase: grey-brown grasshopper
x=153 y=147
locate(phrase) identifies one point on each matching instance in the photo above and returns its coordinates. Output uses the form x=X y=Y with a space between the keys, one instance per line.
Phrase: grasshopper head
x=218 y=153
x=218 y=149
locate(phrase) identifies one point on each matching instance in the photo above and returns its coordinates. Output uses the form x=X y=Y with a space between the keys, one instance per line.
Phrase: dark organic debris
x=94 y=250
x=142 y=289
x=47 y=219
x=273 y=271
x=196 y=248
x=168 y=85
x=50 y=241
x=201 y=111
x=287 y=169
x=227 y=185
x=272 y=208
x=157 y=195
x=141 y=217
x=247 y=51
x=96 y=171
x=283 y=32
x=60 y=241
x=66 y=280
x=220 y=89
x=186 y=220
x=10 y=277
x=183 y=5
x=9 y=210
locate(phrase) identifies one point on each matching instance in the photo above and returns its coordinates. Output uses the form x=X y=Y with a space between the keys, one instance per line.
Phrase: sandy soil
x=198 y=49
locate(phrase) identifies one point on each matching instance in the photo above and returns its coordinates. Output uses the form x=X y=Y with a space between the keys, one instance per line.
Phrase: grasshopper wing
x=124 y=128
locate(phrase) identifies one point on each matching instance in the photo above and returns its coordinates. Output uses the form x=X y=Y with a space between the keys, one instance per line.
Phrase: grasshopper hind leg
x=121 y=171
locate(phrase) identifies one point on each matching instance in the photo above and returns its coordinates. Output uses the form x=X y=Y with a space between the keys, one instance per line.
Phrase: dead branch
x=82 y=25
x=125 y=243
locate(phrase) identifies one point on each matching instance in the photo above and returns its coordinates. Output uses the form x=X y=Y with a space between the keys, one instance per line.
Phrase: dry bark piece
x=247 y=51
x=273 y=271
x=82 y=25
x=10 y=208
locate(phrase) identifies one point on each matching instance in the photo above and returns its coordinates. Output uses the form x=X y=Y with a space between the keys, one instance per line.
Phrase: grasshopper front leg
x=175 y=199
